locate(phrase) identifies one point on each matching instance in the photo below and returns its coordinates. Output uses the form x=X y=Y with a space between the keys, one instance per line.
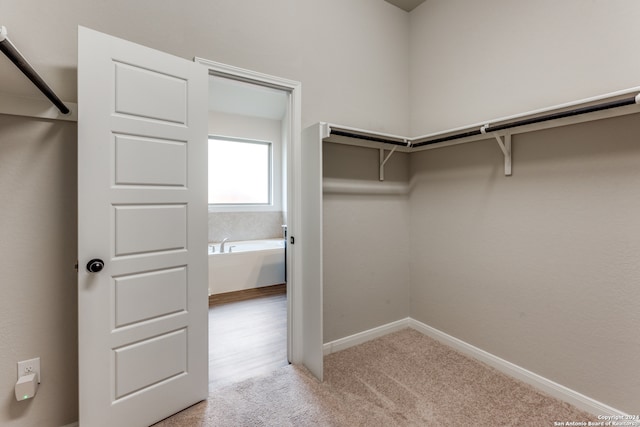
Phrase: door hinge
x=293 y=240
x=76 y=266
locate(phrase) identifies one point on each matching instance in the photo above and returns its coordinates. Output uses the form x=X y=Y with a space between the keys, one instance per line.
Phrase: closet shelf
x=15 y=105
x=595 y=108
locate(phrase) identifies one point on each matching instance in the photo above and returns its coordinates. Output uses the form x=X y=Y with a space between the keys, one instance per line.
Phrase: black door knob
x=95 y=265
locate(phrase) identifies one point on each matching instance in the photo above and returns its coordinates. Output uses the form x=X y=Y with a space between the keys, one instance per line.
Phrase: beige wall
x=38 y=306
x=366 y=243
x=352 y=51
x=472 y=61
x=348 y=56
x=540 y=268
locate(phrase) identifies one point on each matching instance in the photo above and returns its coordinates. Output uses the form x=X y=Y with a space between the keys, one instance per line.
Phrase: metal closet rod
x=488 y=128
x=368 y=137
x=544 y=118
x=16 y=57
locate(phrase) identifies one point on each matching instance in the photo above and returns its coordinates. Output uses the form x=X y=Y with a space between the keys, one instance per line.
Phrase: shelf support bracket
x=383 y=161
x=505 y=146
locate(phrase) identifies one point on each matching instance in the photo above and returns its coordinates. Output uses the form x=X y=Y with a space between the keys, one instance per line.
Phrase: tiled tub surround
x=238 y=226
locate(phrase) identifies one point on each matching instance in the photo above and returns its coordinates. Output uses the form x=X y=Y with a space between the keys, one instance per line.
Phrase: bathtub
x=245 y=265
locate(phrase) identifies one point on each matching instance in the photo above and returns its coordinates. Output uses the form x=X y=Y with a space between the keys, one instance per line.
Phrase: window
x=239 y=172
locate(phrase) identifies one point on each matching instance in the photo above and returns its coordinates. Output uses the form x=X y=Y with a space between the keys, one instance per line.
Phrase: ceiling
x=246 y=99
x=407 y=5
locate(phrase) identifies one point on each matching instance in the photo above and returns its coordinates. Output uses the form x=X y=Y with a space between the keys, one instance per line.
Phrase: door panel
x=149 y=94
x=134 y=373
x=169 y=167
x=131 y=291
x=149 y=228
x=142 y=173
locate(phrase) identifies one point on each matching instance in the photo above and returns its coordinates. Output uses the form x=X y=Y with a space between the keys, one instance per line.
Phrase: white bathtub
x=249 y=264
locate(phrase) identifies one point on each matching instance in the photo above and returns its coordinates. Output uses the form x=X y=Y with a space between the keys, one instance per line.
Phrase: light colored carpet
x=401 y=379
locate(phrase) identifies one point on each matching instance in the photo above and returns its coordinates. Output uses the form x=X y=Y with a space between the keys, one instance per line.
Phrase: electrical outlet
x=30 y=366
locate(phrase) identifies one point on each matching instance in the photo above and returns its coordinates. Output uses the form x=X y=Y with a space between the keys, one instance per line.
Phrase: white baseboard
x=541 y=383
x=359 y=338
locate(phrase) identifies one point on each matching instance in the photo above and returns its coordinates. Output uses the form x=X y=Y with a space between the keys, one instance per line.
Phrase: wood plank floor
x=247 y=338
x=245 y=294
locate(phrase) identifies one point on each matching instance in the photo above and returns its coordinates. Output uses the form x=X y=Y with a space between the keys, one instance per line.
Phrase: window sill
x=244 y=208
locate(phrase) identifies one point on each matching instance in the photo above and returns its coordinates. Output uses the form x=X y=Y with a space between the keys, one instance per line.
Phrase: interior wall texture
x=354 y=52
x=539 y=268
x=38 y=247
x=474 y=61
x=365 y=243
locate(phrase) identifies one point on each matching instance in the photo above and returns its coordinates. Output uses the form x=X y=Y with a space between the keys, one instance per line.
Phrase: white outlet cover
x=27 y=367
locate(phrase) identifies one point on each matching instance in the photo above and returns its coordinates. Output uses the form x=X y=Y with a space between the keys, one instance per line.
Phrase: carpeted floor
x=401 y=379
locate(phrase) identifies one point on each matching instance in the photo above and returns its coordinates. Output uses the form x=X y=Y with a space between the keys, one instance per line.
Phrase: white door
x=311 y=186
x=142 y=173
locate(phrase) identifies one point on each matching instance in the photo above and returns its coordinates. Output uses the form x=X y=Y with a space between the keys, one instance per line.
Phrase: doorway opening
x=249 y=129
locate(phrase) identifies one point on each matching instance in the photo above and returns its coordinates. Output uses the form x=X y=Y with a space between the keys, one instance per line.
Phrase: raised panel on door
x=134 y=371
x=169 y=166
x=145 y=229
x=130 y=295
x=152 y=94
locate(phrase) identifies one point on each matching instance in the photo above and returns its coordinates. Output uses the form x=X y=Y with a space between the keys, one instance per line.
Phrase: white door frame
x=295 y=337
